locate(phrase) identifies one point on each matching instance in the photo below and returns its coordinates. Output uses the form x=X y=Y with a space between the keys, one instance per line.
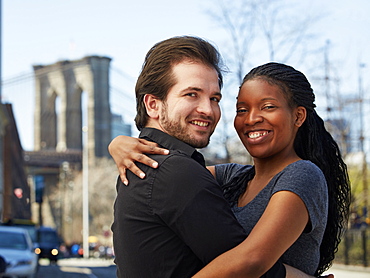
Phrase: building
x=16 y=194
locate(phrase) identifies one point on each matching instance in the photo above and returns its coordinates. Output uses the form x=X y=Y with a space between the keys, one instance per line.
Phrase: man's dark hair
x=156 y=77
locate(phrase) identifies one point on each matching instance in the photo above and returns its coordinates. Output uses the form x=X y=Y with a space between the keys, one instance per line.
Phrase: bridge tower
x=60 y=111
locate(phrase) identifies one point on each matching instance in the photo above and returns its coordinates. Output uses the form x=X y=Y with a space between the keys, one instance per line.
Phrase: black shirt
x=176 y=220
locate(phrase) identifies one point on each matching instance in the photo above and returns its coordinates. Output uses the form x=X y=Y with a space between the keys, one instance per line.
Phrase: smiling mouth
x=200 y=123
x=257 y=134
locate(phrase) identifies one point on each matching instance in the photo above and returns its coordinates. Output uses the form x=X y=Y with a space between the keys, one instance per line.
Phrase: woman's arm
x=126 y=150
x=212 y=169
x=279 y=227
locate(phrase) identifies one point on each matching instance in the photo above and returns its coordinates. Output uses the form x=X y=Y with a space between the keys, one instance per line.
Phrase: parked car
x=31 y=229
x=26 y=224
x=48 y=243
x=17 y=250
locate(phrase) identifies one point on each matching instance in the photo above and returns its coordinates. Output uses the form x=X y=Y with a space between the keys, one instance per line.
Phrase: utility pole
x=362 y=139
x=327 y=81
x=336 y=126
x=85 y=193
x=1 y=124
x=1 y=46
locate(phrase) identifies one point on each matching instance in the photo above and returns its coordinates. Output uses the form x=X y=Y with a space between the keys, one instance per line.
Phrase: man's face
x=191 y=110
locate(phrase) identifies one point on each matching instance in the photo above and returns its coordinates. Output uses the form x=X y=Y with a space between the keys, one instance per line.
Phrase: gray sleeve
x=226 y=172
x=307 y=181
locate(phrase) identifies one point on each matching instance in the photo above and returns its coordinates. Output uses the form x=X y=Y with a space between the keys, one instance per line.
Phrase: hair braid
x=313 y=142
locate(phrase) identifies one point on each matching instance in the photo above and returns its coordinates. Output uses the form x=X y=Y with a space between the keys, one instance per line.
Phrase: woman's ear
x=301 y=114
x=152 y=105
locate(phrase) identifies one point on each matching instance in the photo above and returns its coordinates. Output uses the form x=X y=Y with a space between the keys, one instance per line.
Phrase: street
x=100 y=268
x=77 y=268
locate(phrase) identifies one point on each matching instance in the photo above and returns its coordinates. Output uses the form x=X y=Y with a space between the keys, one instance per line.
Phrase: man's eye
x=241 y=110
x=216 y=99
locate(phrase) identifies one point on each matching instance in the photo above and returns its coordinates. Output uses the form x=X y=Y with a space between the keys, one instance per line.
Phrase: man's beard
x=175 y=129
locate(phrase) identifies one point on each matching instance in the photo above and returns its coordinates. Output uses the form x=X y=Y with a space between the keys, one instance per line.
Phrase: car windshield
x=11 y=240
x=48 y=237
x=31 y=231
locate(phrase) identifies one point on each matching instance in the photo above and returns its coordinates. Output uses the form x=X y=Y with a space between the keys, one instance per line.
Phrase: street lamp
x=85 y=194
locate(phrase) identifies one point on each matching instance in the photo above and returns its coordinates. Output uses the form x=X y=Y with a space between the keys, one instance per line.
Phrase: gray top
x=304 y=179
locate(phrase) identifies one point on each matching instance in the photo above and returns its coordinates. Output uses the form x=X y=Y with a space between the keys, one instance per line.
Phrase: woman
x=293 y=202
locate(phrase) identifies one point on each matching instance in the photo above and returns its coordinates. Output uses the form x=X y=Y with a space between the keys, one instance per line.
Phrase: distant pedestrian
x=2 y=265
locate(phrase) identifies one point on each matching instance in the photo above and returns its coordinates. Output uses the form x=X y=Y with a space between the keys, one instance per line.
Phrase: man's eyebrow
x=197 y=89
x=219 y=94
x=192 y=89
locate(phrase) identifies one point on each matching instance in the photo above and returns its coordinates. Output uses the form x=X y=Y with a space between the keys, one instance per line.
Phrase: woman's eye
x=241 y=110
x=215 y=99
x=268 y=107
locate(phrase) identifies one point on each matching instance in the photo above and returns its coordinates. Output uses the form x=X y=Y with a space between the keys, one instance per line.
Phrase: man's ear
x=152 y=105
x=301 y=114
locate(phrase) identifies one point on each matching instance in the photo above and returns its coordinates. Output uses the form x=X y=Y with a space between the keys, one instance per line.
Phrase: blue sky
x=44 y=32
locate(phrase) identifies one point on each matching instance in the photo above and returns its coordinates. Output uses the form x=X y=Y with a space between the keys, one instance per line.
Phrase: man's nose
x=205 y=106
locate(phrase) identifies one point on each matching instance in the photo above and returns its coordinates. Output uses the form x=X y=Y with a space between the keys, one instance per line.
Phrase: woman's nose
x=253 y=116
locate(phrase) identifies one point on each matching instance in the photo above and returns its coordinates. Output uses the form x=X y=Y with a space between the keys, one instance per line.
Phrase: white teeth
x=254 y=135
x=200 y=123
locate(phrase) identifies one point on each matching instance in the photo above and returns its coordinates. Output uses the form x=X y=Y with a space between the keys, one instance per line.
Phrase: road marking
x=82 y=270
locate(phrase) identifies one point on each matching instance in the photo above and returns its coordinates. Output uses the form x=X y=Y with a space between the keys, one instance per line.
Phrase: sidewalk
x=82 y=262
x=339 y=271
x=347 y=271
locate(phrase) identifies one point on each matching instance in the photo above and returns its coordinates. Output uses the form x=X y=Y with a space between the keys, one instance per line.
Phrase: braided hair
x=313 y=142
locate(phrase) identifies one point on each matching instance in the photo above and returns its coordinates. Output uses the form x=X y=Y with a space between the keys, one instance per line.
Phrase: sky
x=44 y=32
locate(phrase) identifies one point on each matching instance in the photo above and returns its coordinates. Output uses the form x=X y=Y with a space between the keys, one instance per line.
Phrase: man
x=175 y=221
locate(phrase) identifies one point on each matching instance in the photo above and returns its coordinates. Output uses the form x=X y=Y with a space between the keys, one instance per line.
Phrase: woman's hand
x=127 y=150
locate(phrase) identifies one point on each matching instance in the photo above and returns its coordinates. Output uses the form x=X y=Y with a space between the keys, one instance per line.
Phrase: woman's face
x=265 y=123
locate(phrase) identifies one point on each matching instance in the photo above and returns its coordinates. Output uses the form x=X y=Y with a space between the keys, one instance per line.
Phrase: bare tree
x=257 y=30
x=102 y=179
